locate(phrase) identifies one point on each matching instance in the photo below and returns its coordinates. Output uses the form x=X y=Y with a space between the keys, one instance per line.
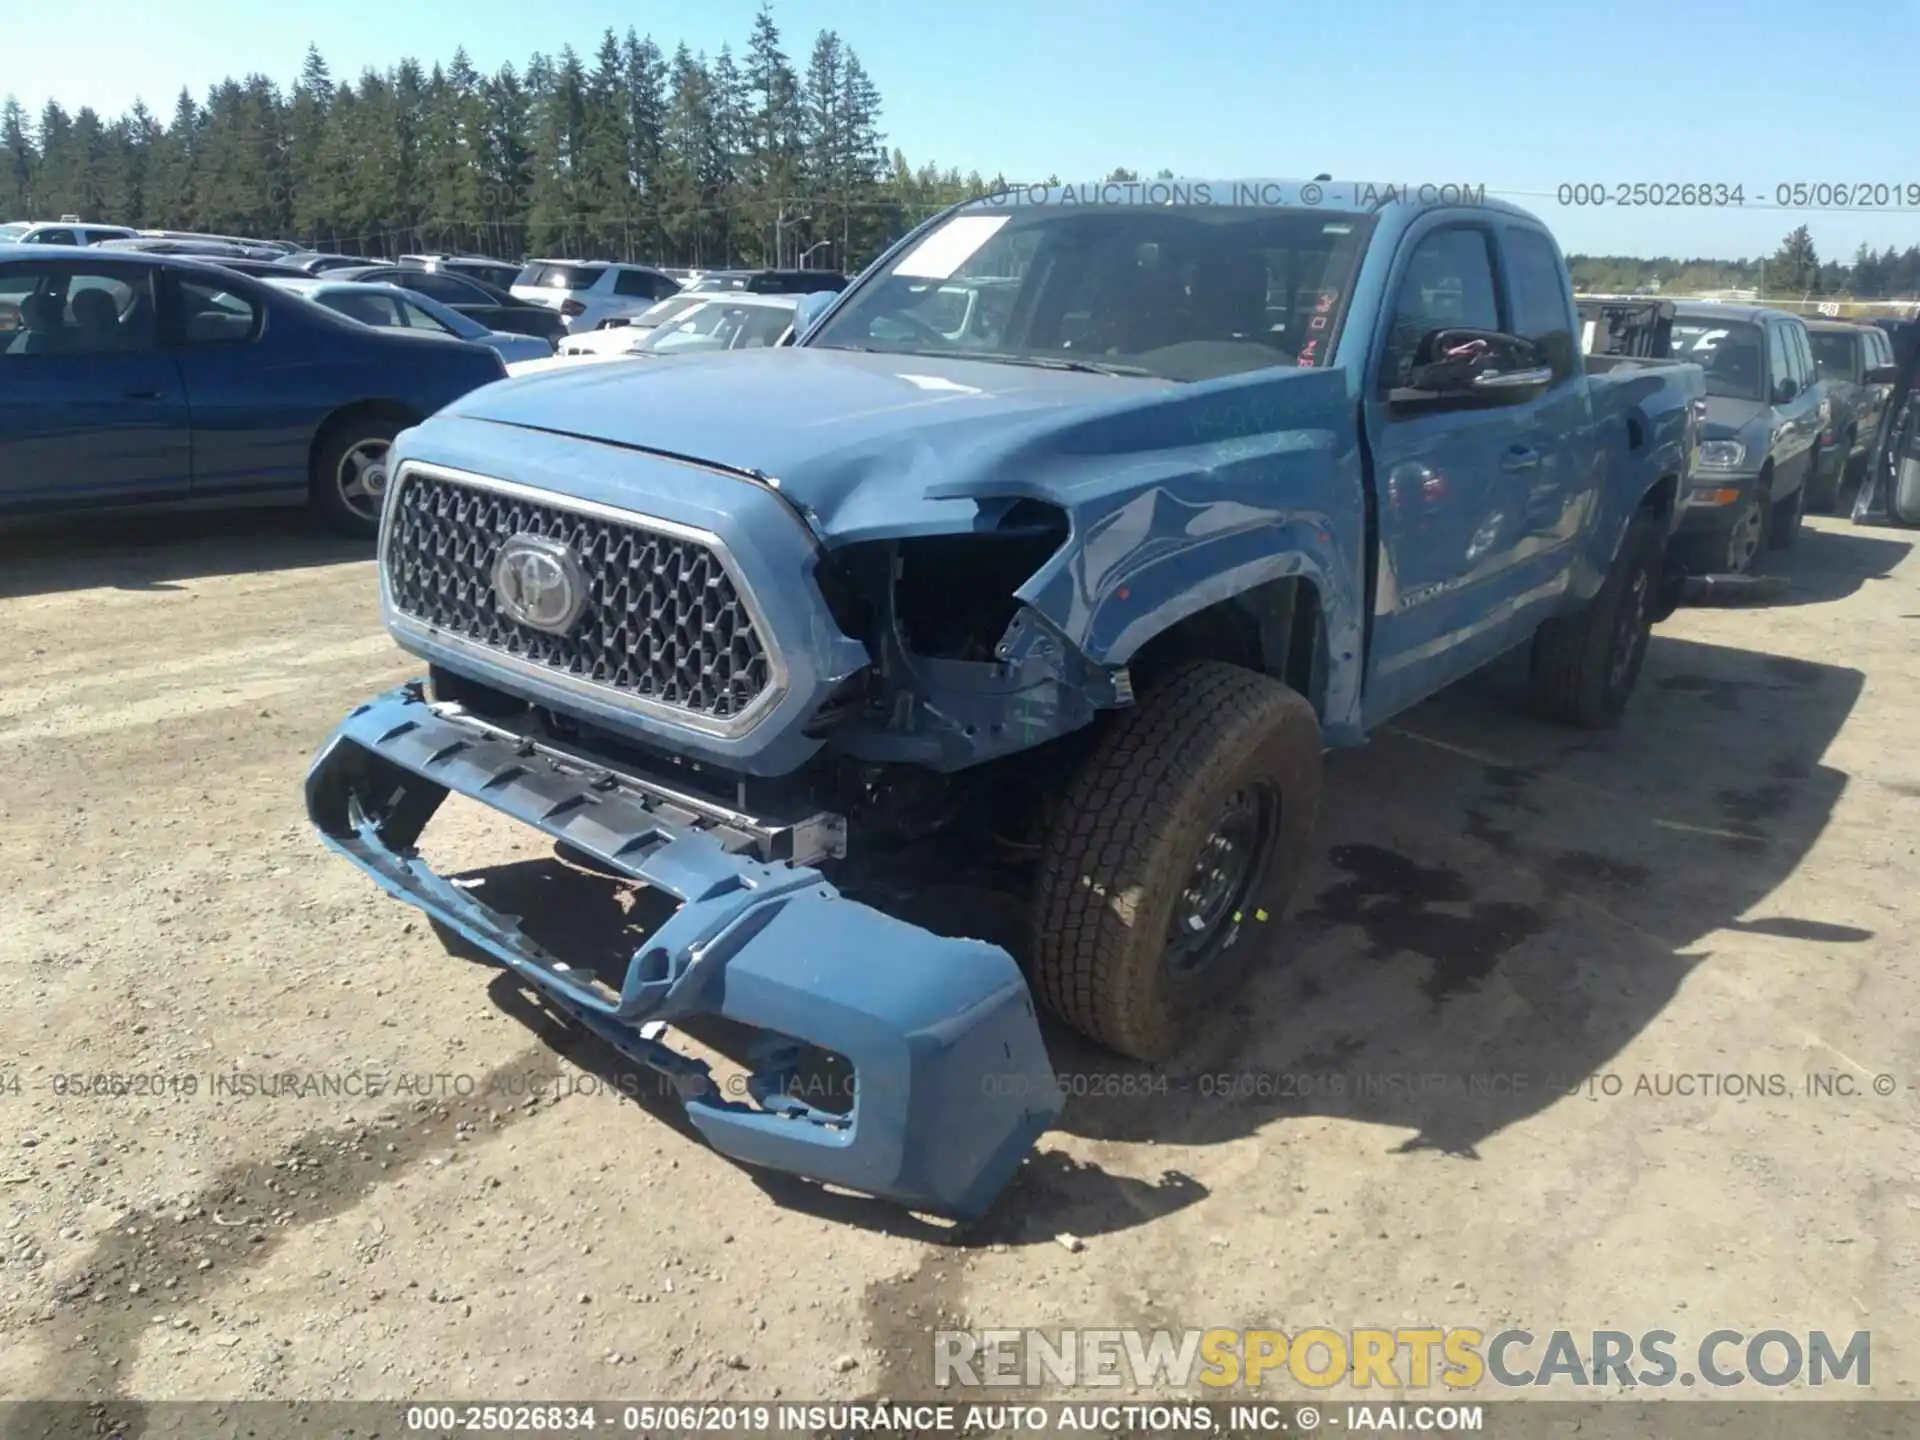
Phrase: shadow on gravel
x=1832 y=562
x=597 y=922
x=1499 y=907
x=154 y=1262
x=158 y=552
x=1504 y=905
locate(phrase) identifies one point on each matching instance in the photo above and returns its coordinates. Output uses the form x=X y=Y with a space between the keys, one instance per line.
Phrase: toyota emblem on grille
x=539 y=583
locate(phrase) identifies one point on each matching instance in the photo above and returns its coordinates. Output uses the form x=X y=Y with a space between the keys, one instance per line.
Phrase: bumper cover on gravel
x=951 y=1080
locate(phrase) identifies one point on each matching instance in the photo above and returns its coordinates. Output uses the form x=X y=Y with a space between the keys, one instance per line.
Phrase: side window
x=637 y=283
x=445 y=289
x=1542 y=304
x=1779 y=367
x=61 y=310
x=1804 y=373
x=56 y=237
x=371 y=308
x=27 y=325
x=419 y=319
x=1448 y=285
x=211 y=315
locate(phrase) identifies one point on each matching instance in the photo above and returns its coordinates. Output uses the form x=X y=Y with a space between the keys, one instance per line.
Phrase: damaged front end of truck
x=744 y=686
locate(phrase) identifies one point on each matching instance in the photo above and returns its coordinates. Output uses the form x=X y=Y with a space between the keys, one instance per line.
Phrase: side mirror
x=1883 y=375
x=1488 y=366
x=1784 y=392
x=810 y=308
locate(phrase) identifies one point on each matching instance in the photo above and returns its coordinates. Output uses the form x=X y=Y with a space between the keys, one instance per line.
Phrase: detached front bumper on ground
x=951 y=1081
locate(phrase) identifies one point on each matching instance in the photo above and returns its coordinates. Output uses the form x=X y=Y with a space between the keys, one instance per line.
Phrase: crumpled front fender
x=951 y=1083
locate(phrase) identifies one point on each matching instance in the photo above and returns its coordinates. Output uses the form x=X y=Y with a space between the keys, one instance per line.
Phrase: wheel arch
x=351 y=413
x=1661 y=497
x=1277 y=627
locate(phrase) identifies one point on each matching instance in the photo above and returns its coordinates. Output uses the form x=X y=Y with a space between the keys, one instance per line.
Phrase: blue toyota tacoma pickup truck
x=1221 y=477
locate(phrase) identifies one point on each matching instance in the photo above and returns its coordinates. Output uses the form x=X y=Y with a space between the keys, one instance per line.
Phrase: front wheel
x=1584 y=665
x=349 y=482
x=1783 y=526
x=1173 y=854
x=1823 y=491
x=1748 y=537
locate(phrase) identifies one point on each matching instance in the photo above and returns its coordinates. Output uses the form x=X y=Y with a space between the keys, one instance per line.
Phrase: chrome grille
x=663 y=623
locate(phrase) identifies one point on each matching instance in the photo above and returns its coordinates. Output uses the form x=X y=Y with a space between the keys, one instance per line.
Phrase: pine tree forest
x=633 y=152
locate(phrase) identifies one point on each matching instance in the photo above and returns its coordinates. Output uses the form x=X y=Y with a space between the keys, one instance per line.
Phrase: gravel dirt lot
x=1725 y=885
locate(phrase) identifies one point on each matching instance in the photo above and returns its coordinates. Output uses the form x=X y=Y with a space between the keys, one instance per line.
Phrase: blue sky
x=1520 y=97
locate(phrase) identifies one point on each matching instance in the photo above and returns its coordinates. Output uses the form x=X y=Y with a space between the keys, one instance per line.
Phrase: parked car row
x=392 y=307
x=601 y=294
x=705 y=323
x=150 y=368
x=1792 y=406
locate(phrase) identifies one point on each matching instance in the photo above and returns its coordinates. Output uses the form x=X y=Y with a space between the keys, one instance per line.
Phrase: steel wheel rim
x=361 y=479
x=1744 y=543
x=1632 y=626
x=1207 y=913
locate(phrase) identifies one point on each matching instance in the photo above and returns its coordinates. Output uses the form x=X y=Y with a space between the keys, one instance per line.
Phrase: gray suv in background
x=1857 y=364
x=1766 y=407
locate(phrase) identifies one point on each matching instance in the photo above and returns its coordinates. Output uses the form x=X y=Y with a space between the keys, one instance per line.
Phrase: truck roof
x=1716 y=310
x=1375 y=197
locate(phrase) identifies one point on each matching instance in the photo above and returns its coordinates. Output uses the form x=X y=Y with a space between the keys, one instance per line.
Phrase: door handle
x=144 y=395
x=1519 y=458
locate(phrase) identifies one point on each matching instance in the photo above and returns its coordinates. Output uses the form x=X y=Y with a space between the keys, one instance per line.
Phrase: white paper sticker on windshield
x=949 y=247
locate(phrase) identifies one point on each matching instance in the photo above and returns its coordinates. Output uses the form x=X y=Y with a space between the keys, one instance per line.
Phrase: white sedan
x=723 y=322
x=388 y=307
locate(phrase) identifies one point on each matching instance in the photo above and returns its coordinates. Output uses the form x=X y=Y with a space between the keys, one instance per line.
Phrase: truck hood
x=868 y=445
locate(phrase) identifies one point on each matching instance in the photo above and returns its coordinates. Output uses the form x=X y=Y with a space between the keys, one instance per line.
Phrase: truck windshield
x=1176 y=292
x=1729 y=351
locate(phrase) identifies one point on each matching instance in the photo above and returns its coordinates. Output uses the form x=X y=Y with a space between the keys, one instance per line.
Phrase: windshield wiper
x=1040 y=362
x=1049 y=362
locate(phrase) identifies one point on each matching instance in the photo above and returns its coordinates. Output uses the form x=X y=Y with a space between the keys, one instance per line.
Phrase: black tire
x=1783 y=525
x=330 y=495
x=1155 y=797
x=1749 y=537
x=1824 y=493
x=1583 y=666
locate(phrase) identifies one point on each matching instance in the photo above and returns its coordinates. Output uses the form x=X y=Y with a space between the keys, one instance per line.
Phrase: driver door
x=1448 y=479
x=92 y=411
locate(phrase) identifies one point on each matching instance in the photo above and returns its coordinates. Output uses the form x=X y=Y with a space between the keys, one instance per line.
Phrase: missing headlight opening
x=951 y=596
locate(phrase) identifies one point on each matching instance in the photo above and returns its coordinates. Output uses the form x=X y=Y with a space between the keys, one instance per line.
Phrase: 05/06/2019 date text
x=1794 y=195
